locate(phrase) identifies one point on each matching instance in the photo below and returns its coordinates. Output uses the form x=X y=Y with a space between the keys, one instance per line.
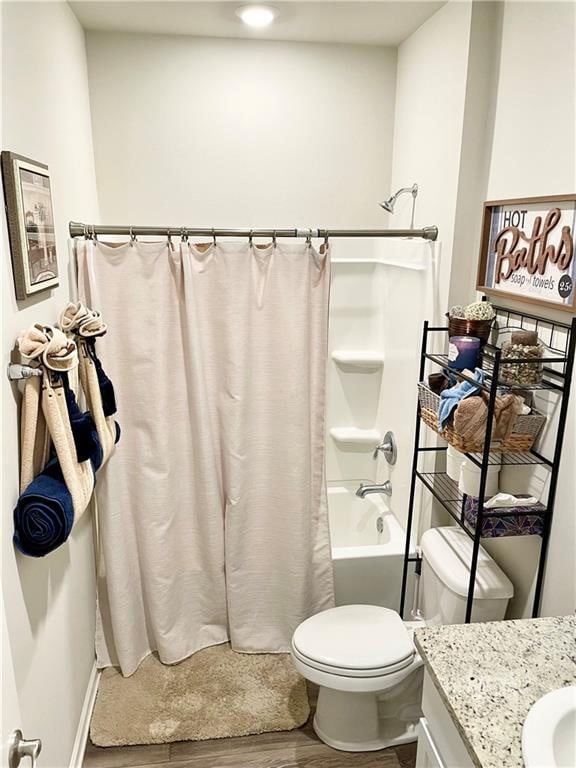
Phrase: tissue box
x=507 y=521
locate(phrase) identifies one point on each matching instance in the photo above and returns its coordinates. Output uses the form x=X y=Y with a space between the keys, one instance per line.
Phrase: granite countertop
x=490 y=674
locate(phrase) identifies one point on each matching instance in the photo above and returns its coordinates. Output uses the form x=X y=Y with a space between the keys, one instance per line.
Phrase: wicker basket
x=460 y=327
x=522 y=437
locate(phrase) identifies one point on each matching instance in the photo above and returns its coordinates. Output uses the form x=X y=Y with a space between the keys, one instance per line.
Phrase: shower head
x=389 y=204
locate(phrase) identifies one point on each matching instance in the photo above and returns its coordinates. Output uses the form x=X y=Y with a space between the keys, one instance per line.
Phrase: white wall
x=49 y=602
x=428 y=130
x=534 y=147
x=485 y=110
x=533 y=152
x=204 y=132
x=428 y=124
x=208 y=132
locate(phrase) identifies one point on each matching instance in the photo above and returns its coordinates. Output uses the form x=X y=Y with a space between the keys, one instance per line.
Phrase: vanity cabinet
x=439 y=743
x=427 y=755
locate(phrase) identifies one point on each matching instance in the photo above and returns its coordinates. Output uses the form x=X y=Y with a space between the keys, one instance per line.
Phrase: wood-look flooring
x=288 y=749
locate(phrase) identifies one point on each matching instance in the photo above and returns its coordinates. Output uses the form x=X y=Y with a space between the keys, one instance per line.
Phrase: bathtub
x=367 y=549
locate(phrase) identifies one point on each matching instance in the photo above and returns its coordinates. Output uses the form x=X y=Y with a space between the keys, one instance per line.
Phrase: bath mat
x=213 y=694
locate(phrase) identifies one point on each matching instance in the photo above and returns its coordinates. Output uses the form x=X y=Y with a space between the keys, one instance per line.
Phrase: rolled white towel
x=50 y=346
x=53 y=351
x=81 y=320
x=85 y=324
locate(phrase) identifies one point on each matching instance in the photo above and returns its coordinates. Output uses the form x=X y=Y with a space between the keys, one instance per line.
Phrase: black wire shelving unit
x=558 y=366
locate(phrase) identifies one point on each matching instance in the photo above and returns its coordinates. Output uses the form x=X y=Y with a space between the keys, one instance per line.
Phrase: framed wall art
x=30 y=214
x=527 y=250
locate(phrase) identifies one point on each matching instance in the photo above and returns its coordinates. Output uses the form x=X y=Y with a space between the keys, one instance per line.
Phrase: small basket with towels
x=466 y=427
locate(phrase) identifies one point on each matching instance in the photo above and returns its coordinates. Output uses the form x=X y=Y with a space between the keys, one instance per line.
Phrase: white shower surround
x=381 y=292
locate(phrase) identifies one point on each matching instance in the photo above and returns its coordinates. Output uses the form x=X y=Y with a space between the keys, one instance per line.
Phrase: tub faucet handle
x=388 y=448
x=377 y=450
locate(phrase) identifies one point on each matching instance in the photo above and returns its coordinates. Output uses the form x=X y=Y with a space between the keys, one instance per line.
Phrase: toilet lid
x=356 y=640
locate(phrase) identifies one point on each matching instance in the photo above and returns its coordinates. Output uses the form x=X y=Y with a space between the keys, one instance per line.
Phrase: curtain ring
x=274 y=243
x=183 y=235
x=132 y=236
x=213 y=237
x=169 y=236
x=326 y=235
x=93 y=234
x=86 y=236
x=250 y=239
x=309 y=238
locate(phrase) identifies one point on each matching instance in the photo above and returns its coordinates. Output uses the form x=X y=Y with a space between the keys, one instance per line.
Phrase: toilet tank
x=446 y=558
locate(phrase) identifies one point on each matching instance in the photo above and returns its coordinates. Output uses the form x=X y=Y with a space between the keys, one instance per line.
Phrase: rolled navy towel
x=104 y=383
x=83 y=429
x=44 y=514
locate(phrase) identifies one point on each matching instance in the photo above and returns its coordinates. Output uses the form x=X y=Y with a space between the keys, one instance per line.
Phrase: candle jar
x=463 y=352
x=523 y=345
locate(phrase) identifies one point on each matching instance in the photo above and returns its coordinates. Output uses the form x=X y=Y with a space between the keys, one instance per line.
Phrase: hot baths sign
x=527 y=250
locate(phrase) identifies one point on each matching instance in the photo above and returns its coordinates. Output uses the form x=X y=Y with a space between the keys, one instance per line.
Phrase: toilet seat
x=348 y=672
x=354 y=641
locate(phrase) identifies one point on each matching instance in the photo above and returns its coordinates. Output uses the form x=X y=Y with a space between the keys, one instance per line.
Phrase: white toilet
x=363 y=656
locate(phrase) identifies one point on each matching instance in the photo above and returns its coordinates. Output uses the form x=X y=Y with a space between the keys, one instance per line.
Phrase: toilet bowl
x=369 y=673
x=364 y=659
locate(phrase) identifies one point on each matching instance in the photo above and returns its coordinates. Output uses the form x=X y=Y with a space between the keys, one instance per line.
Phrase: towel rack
x=16 y=371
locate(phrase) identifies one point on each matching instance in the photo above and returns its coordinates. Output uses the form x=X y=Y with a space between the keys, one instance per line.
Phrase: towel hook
x=16 y=371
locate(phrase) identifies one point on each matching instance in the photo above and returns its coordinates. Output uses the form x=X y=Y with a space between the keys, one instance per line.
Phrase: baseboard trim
x=77 y=757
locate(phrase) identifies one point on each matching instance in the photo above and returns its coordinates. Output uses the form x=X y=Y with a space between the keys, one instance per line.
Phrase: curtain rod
x=78 y=229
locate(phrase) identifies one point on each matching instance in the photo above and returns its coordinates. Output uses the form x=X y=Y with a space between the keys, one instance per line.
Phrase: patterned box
x=507 y=521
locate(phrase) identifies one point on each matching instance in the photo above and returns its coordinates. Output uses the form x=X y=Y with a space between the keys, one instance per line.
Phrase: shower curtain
x=212 y=518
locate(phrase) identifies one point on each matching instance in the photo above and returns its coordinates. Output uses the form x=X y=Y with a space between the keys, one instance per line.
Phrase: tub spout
x=385 y=488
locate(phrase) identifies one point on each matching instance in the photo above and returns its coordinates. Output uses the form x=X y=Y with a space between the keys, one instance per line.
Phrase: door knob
x=20 y=747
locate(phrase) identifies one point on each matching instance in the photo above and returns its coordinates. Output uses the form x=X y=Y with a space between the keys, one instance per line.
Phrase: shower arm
x=414 y=192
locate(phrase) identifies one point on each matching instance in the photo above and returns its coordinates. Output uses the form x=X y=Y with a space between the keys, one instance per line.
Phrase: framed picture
x=30 y=214
x=527 y=250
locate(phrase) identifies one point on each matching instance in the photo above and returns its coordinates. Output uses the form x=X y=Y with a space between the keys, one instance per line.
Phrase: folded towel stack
x=471 y=417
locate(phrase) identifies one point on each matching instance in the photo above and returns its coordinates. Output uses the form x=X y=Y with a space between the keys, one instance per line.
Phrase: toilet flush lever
x=387 y=447
x=19 y=747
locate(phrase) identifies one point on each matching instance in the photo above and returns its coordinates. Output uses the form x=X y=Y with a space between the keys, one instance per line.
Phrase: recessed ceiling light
x=257 y=16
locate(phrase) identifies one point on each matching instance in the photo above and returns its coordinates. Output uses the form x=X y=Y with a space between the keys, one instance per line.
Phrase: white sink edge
x=539 y=726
